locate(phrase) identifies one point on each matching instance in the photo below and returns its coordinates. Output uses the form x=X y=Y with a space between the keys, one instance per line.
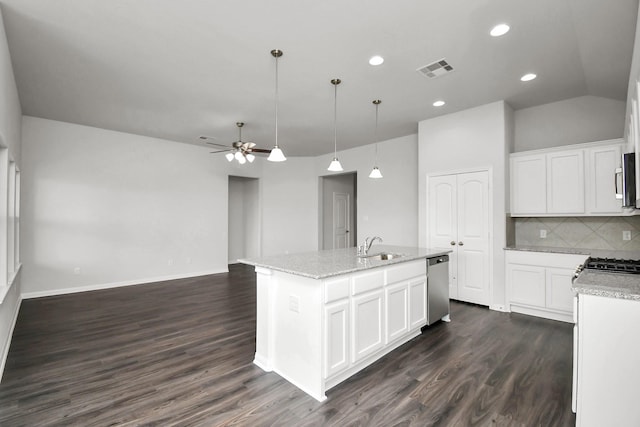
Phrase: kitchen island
x=323 y=316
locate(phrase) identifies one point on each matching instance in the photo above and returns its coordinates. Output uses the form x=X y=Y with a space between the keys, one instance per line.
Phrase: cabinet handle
x=453 y=243
x=461 y=244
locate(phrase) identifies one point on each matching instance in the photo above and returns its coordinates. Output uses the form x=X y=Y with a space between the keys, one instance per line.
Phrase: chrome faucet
x=364 y=248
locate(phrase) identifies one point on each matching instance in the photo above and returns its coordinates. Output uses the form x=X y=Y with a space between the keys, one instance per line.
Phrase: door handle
x=461 y=244
x=453 y=243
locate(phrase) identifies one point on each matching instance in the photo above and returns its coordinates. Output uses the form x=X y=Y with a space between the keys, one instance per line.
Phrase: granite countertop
x=598 y=253
x=334 y=262
x=606 y=284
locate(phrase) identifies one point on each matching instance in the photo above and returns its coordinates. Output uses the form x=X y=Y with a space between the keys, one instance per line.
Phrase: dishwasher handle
x=438 y=260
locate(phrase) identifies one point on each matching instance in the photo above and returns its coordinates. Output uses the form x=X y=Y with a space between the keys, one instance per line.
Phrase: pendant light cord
x=375 y=163
x=335 y=120
x=276 y=146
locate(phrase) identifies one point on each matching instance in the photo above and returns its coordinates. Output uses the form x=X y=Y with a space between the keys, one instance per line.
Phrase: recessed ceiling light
x=499 y=30
x=528 y=77
x=376 y=60
x=438 y=103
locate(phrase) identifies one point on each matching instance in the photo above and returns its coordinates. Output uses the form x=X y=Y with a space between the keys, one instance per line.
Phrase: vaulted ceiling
x=180 y=69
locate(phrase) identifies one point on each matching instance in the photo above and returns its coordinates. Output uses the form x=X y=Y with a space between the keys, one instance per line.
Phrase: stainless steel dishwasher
x=437 y=288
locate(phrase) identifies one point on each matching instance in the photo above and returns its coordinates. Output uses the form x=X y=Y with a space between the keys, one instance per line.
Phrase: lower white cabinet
x=539 y=283
x=417 y=302
x=396 y=310
x=337 y=327
x=368 y=324
x=608 y=351
x=367 y=313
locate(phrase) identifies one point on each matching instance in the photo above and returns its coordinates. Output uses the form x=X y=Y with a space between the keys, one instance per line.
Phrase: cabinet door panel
x=528 y=184
x=603 y=162
x=367 y=323
x=565 y=182
x=558 y=289
x=397 y=311
x=418 y=302
x=527 y=284
x=336 y=337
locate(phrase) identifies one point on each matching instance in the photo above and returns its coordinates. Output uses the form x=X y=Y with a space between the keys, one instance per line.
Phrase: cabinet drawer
x=407 y=270
x=367 y=282
x=336 y=289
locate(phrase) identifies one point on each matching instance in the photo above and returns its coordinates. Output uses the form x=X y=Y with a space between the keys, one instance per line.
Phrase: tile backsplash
x=579 y=232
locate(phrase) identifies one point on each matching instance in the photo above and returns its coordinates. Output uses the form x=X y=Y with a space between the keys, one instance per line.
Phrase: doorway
x=338 y=211
x=243 y=233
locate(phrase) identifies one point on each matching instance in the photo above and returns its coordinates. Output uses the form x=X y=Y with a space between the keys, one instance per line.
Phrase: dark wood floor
x=180 y=353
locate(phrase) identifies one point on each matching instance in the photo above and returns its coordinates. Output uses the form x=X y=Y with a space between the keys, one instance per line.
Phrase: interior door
x=443 y=222
x=458 y=219
x=341 y=215
x=473 y=237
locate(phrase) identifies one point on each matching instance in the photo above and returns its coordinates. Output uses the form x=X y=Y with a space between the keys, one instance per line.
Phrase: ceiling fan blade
x=260 y=150
x=207 y=138
x=215 y=143
x=220 y=151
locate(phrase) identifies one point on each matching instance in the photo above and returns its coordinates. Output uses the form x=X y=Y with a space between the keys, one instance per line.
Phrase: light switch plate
x=626 y=235
x=543 y=234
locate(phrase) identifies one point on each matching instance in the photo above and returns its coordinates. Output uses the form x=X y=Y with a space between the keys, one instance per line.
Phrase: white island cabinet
x=323 y=316
x=606 y=349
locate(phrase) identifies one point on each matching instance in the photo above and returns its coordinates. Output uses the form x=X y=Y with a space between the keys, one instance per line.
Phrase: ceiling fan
x=239 y=150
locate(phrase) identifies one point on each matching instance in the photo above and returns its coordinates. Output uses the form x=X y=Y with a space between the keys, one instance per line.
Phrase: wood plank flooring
x=180 y=354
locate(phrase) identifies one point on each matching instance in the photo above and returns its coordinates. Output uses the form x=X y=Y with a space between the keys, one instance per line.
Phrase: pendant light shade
x=335 y=165
x=230 y=156
x=375 y=172
x=276 y=154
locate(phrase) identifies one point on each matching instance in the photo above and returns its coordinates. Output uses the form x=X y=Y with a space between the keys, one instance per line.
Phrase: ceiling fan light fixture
x=229 y=156
x=335 y=165
x=276 y=154
x=250 y=157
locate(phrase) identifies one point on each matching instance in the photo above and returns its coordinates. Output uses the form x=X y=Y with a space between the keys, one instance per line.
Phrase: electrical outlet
x=626 y=235
x=76 y=270
x=170 y=262
x=543 y=234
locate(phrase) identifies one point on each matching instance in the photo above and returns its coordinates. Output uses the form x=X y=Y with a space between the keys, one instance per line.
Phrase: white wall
x=386 y=207
x=572 y=121
x=120 y=207
x=474 y=138
x=10 y=137
x=290 y=206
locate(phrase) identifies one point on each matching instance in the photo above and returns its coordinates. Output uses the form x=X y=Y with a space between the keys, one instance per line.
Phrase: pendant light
x=375 y=172
x=276 y=154
x=335 y=165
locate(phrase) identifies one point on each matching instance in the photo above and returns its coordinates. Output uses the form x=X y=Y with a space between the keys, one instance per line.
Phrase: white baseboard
x=54 y=292
x=7 y=344
x=498 y=307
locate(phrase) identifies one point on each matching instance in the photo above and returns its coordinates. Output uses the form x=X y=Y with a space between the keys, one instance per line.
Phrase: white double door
x=458 y=218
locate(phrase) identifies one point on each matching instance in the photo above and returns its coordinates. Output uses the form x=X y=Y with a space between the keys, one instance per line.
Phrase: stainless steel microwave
x=626 y=181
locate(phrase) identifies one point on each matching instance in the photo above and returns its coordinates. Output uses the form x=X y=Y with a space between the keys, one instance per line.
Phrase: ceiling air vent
x=435 y=69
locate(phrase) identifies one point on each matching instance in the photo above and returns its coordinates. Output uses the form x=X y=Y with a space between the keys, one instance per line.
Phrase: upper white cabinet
x=565 y=182
x=529 y=184
x=578 y=181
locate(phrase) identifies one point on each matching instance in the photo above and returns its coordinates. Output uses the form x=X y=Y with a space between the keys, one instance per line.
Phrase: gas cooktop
x=613 y=265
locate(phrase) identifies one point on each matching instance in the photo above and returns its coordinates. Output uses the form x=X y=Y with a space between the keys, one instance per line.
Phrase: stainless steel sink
x=384 y=256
